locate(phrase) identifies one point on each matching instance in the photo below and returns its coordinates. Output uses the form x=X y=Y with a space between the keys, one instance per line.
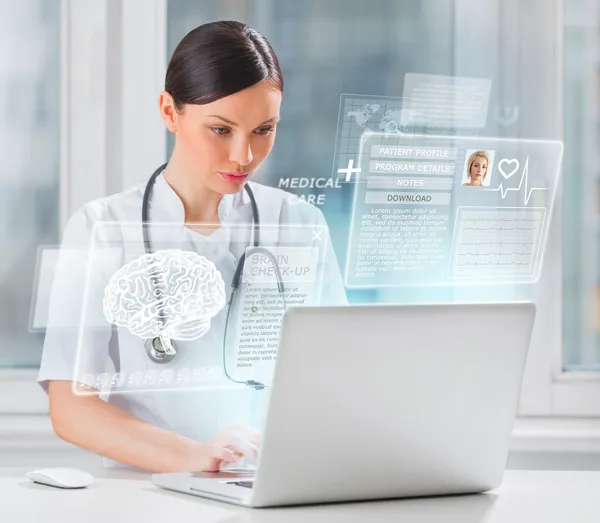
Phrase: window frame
x=107 y=83
x=549 y=390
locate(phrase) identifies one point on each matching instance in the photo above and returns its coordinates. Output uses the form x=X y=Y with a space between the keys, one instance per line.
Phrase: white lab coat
x=195 y=414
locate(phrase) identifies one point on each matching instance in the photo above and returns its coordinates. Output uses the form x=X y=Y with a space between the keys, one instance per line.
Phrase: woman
x=477 y=168
x=222 y=97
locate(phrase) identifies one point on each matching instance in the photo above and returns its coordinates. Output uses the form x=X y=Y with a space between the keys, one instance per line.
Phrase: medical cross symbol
x=349 y=170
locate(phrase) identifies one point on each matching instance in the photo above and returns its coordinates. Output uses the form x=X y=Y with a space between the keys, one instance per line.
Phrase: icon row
x=136 y=379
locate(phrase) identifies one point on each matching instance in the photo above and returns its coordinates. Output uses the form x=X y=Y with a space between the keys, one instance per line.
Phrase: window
x=325 y=49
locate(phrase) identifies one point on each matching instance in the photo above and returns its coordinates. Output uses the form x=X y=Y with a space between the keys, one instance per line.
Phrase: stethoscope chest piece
x=156 y=351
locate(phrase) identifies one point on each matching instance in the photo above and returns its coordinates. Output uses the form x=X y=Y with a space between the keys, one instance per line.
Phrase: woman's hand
x=227 y=447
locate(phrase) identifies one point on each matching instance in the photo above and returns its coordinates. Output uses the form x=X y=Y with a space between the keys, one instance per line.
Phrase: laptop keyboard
x=247 y=484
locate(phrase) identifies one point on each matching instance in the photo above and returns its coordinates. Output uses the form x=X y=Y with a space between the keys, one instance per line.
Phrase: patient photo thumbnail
x=477 y=170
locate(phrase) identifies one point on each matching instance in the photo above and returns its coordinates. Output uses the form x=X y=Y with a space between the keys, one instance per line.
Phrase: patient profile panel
x=440 y=210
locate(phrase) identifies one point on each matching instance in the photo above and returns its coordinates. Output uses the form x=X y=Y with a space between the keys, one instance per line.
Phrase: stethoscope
x=155 y=349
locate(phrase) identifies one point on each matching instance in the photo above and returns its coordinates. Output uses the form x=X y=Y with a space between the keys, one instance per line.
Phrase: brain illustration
x=171 y=293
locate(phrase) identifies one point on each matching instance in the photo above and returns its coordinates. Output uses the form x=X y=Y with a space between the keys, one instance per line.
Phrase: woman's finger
x=246 y=446
x=224 y=453
x=244 y=441
x=242 y=447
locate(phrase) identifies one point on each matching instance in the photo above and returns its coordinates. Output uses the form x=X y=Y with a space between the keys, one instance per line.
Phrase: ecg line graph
x=524 y=180
x=497 y=242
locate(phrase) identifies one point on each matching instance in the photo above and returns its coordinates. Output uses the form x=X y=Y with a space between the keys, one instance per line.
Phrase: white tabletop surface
x=525 y=496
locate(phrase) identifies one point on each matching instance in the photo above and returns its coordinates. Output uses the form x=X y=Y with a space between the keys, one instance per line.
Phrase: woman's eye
x=264 y=130
x=219 y=130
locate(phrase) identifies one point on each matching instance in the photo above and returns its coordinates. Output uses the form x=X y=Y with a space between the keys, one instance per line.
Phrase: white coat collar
x=166 y=206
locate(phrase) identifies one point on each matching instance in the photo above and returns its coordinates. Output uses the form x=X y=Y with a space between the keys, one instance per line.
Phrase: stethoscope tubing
x=153 y=346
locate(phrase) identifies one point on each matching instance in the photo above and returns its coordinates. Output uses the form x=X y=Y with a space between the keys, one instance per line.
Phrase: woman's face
x=478 y=169
x=222 y=143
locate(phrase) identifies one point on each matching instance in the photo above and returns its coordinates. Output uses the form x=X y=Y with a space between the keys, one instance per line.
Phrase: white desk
x=525 y=497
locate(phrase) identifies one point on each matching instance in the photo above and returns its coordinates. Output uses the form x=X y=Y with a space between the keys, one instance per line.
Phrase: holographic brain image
x=172 y=294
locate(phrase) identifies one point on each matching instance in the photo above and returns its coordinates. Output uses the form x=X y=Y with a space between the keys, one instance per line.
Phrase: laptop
x=383 y=401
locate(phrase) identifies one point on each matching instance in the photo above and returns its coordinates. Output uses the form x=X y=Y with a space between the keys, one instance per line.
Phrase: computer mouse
x=62 y=477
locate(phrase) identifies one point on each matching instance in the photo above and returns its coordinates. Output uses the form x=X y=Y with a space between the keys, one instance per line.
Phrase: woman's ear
x=168 y=112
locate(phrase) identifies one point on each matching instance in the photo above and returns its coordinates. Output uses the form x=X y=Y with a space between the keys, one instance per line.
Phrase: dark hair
x=217 y=59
